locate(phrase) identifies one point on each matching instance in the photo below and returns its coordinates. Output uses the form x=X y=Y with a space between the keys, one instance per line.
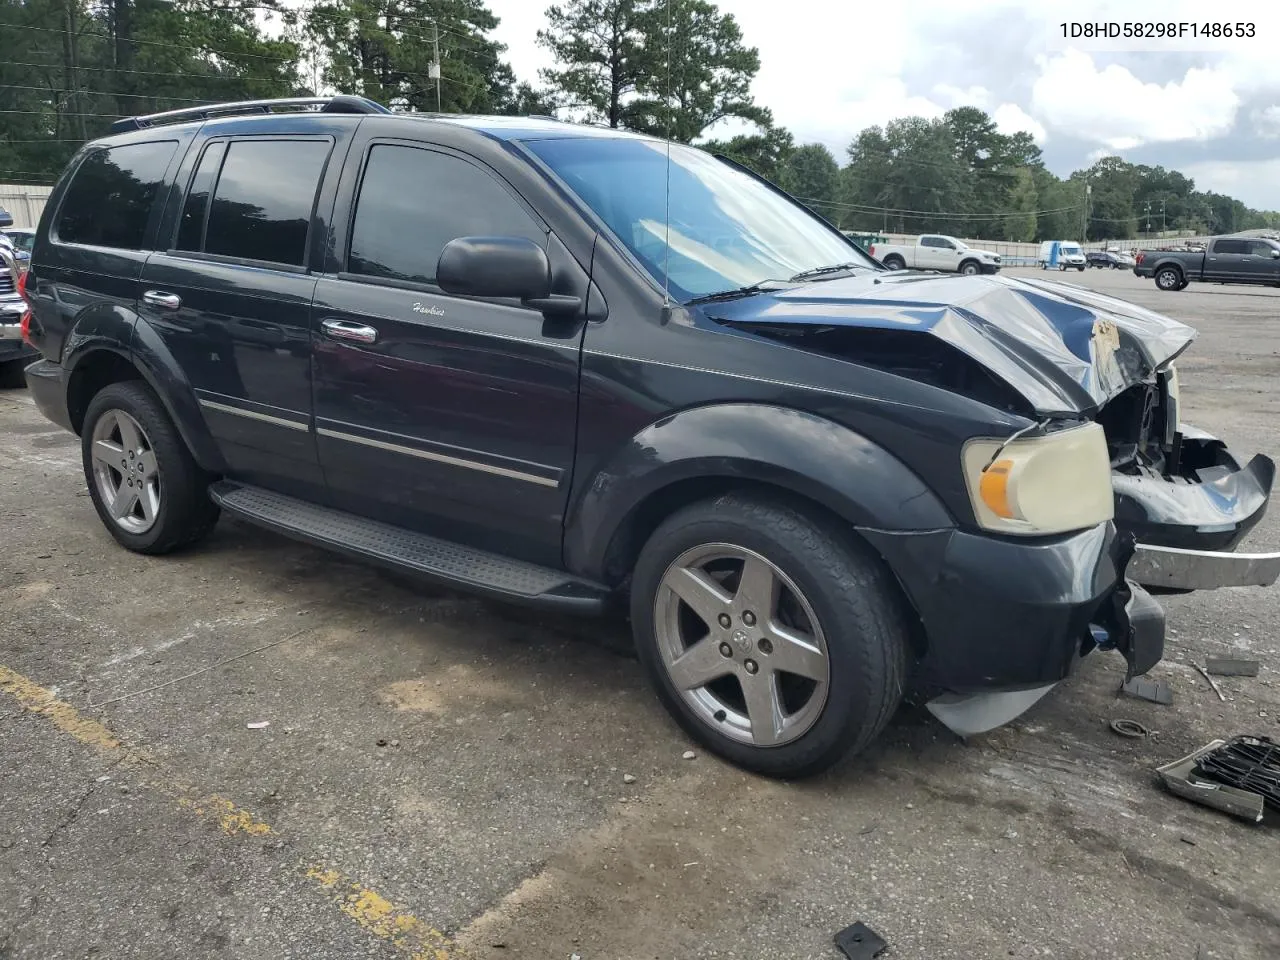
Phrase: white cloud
x=1112 y=106
x=1011 y=118
x=1256 y=182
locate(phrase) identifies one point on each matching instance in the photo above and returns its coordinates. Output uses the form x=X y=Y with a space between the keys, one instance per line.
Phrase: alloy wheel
x=125 y=471
x=742 y=645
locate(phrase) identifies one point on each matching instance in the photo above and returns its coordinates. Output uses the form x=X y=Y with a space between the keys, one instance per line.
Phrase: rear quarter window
x=112 y=194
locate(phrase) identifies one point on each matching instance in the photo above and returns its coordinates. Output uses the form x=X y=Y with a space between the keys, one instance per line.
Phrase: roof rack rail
x=338 y=104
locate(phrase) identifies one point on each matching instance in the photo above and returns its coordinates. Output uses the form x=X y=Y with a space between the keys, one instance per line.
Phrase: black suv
x=560 y=364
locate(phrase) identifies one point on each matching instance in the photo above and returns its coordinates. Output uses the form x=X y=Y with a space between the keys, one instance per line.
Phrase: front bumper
x=12 y=345
x=987 y=267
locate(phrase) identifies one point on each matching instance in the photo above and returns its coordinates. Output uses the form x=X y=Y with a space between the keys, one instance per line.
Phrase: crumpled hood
x=1066 y=350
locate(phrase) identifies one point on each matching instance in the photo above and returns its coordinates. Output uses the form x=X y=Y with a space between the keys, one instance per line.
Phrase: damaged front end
x=1011 y=616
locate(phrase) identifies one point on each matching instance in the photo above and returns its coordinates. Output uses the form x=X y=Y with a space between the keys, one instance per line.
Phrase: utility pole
x=435 y=66
x=1163 y=228
x=1148 y=209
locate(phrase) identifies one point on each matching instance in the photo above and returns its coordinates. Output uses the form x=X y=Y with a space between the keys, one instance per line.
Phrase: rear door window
x=262 y=204
x=112 y=194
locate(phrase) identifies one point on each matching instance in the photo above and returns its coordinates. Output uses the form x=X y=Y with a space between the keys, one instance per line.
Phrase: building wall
x=24 y=201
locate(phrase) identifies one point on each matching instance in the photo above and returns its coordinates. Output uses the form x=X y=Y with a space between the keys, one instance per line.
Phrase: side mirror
x=509 y=267
x=1275 y=254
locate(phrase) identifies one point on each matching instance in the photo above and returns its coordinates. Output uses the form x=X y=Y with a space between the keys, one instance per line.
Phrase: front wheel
x=969 y=268
x=1169 y=278
x=773 y=642
x=145 y=485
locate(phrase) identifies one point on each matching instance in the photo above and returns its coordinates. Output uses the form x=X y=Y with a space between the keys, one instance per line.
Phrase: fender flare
x=164 y=374
x=804 y=454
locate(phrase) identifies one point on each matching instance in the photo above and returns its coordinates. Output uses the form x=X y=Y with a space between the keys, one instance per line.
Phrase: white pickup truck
x=934 y=251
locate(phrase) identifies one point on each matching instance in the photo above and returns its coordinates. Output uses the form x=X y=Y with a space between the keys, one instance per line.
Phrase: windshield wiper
x=737 y=294
x=817 y=272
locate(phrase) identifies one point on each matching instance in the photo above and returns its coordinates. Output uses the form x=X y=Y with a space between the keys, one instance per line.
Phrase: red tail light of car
x=872 y=249
x=1140 y=257
x=25 y=326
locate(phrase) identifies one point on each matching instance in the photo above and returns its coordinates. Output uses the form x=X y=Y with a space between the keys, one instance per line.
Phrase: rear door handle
x=158 y=298
x=349 y=330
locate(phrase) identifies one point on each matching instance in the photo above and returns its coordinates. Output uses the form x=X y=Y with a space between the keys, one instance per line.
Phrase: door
x=451 y=415
x=232 y=300
x=936 y=254
x=1261 y=264
x=1225 y=260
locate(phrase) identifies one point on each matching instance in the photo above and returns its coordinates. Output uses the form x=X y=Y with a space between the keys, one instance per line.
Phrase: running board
x=410 y=552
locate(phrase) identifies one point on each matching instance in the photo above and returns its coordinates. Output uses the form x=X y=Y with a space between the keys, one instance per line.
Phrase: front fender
x=808 y=455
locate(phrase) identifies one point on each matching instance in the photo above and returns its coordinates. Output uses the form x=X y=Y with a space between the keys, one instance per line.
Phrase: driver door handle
x=349 y=330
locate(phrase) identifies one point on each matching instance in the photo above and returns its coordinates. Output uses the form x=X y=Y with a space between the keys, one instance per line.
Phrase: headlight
x=1040 y=485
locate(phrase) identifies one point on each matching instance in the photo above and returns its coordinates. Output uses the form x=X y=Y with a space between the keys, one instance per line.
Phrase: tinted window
x=412 y=202
x=109 y=200
x=196 y=206
x=1230 y=246
x=262 y=205
x=930 y=242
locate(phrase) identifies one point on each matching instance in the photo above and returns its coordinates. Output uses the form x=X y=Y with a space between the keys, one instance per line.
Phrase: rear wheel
x=146 y=487
x=894 y=262
x=775 y=644
x=1169 y=278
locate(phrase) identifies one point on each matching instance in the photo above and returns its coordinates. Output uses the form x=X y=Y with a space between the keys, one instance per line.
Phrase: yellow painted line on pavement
x=371 y=911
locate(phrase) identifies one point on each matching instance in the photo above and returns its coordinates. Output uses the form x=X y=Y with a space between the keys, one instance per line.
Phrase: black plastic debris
x=1157 y=691
x=860 y=942
x=1246 y=763
x=1228 y=667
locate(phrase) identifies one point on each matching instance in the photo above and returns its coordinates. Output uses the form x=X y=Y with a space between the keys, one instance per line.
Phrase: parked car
x=1227 y=260
x=1062 y=255
x=933 y=251
x=453 y=347
x=14 y=353
x=22 y=239
x=1110 y=260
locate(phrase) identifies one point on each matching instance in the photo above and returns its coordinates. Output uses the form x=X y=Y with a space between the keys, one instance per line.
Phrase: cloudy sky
x=1210 y=108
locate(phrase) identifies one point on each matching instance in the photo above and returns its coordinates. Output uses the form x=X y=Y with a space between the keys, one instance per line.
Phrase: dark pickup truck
x=1227 y=260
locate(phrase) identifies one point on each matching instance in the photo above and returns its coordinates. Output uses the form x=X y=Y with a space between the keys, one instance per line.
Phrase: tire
x=172 y=507
x=894 y=262
x=12 y=375
x=832 y=589
x=969 y=268
x=1169 y=279
x=1081 y=269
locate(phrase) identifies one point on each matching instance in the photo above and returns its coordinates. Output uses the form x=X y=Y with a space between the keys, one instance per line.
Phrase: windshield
x=1070 y=248
x=728 y=230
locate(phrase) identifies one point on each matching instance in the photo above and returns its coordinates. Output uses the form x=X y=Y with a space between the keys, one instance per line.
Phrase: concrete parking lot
x=442 y=777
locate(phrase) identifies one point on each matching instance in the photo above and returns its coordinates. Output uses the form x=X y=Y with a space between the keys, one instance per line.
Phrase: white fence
x=24 y=201
x=1017 y=254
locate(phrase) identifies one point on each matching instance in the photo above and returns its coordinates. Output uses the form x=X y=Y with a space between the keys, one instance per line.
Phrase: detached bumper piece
x=1177 y=568
x=1240 y=776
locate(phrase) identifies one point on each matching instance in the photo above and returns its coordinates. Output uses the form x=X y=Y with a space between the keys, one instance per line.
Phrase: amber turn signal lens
x=994 y=488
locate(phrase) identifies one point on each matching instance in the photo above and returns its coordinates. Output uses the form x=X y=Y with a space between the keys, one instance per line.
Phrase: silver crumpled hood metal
x=1066 y=350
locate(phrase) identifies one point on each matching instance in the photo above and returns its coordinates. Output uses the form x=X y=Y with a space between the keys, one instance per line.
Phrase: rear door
x=451 y=415
x=230 y=296
x=1225 y=260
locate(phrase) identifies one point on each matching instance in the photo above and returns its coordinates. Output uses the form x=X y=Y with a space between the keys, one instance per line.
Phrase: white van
x=1061 y=255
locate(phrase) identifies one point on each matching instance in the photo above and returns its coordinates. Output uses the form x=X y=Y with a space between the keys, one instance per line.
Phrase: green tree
x=599 y=49
x=383 y=49
x=697 y=72
x=1020 y=224
x=765 y=153
x=906 y=178
x=811 y=172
